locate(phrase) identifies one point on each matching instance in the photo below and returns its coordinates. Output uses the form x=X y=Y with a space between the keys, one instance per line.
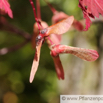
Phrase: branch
x=51 y=7
x=5 y=26
x=4 y=51
x=36 y=19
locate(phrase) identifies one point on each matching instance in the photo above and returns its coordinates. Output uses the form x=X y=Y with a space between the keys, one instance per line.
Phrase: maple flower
x=56 y=49
x=91 y=9
x=4 y=5
x=56 y=40
x=85 y=54
x=56 y=29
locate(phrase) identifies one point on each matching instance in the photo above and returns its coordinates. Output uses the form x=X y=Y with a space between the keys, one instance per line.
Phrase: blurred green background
x=81 y=77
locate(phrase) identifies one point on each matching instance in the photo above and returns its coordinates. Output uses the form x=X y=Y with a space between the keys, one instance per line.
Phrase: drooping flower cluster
x=52 y=35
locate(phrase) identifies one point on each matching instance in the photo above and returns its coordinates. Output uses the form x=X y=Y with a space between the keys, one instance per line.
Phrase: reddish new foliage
x=4 y=5
x=91 y=8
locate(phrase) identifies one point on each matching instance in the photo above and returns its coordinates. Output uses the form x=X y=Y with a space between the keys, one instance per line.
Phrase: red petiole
x=38 y=9
x=36 y=19
x=51 y=7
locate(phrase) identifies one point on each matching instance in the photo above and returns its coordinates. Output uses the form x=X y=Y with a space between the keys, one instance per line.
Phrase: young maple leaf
x=4 y=5
x=91 y=8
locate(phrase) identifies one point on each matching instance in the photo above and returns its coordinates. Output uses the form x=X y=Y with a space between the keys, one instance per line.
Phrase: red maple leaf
x=91 y=9
x=4 y=5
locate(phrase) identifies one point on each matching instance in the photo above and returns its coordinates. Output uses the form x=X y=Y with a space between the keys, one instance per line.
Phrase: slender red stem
x=38 y=9
x=50 y=41
x=36 y=19
x=51 y=7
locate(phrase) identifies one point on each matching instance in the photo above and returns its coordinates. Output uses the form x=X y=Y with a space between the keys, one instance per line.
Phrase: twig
x=36 y=19
x=51 y=7
x=4 y=51
x=5 y=26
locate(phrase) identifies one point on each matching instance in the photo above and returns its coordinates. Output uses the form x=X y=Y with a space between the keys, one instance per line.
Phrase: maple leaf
x=92 y=9
x=4 y=5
